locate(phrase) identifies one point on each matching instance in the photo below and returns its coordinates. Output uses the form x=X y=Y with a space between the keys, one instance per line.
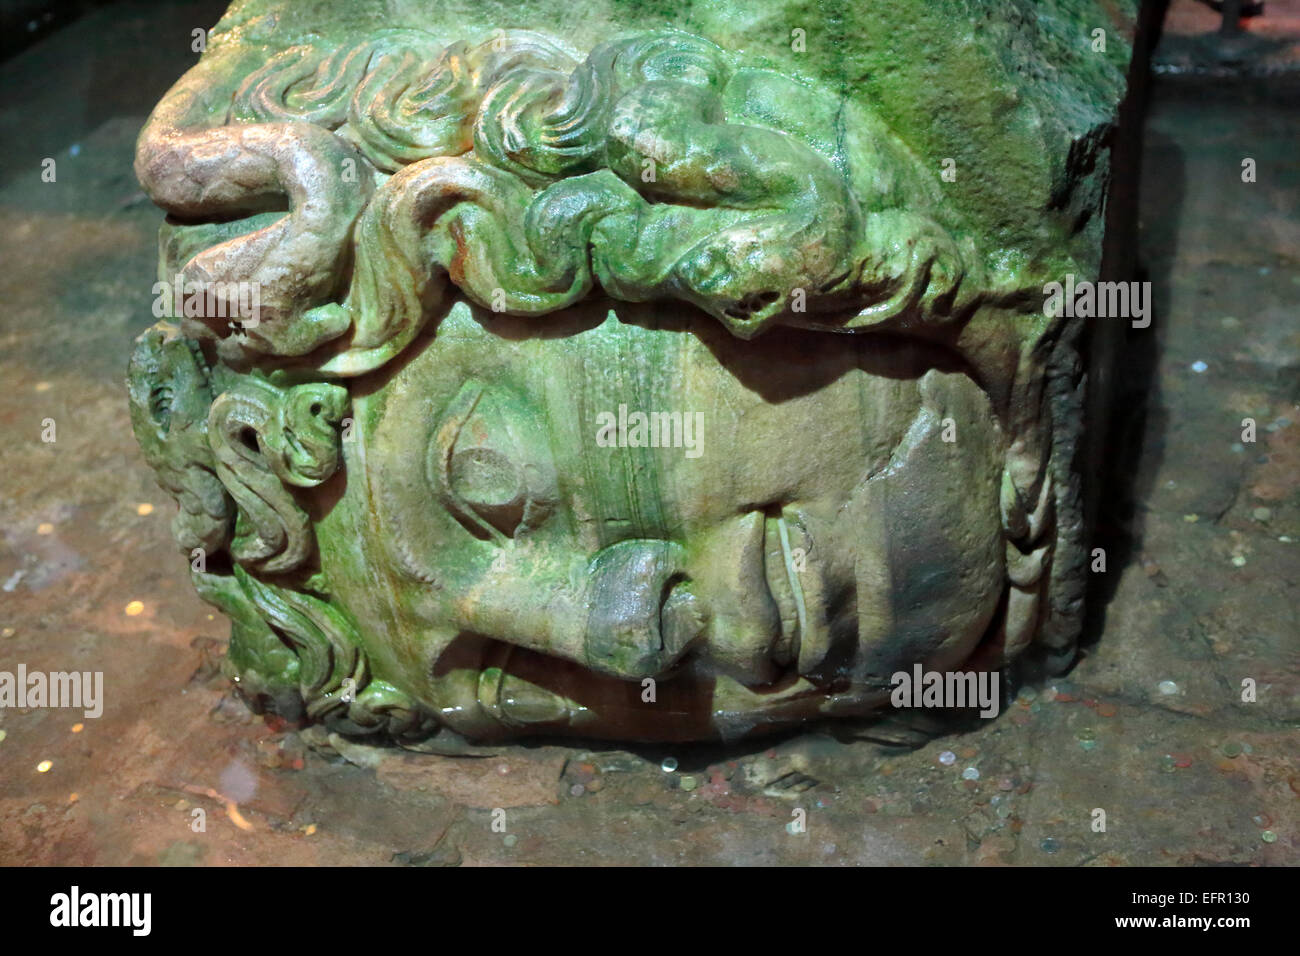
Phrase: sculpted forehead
x=753 y=425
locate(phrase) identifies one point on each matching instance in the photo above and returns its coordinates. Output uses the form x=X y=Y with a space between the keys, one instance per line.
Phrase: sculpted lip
x=782 y=577
x=796 y=583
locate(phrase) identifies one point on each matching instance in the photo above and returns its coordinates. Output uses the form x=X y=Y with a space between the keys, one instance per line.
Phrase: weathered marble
x=435 y=258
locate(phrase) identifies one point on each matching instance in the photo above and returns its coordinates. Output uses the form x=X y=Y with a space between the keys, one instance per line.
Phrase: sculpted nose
x=642 y=616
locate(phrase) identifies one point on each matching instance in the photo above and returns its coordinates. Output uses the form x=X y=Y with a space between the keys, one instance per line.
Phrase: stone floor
x=1202 y=537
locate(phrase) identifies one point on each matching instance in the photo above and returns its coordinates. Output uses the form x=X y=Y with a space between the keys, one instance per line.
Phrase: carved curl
x=334 y=675
x=302 y=656
x=264 y=439
x=170 y=393
x=656 y=168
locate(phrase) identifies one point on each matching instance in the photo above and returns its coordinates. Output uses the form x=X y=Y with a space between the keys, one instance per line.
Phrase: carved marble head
x=641 y=389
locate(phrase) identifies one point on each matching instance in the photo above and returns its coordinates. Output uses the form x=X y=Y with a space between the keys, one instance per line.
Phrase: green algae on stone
x=653 y=370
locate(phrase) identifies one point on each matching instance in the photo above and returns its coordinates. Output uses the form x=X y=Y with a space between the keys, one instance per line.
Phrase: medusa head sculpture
x=641 y=391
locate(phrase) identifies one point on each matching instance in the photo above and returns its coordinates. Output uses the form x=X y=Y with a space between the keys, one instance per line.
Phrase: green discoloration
x=500 y=246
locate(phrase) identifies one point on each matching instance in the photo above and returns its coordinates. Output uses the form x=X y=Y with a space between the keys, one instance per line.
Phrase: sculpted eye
x=491 y=465
x=490 y=483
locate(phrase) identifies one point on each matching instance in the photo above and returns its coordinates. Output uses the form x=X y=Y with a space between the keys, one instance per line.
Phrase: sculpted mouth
x=764 y=584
